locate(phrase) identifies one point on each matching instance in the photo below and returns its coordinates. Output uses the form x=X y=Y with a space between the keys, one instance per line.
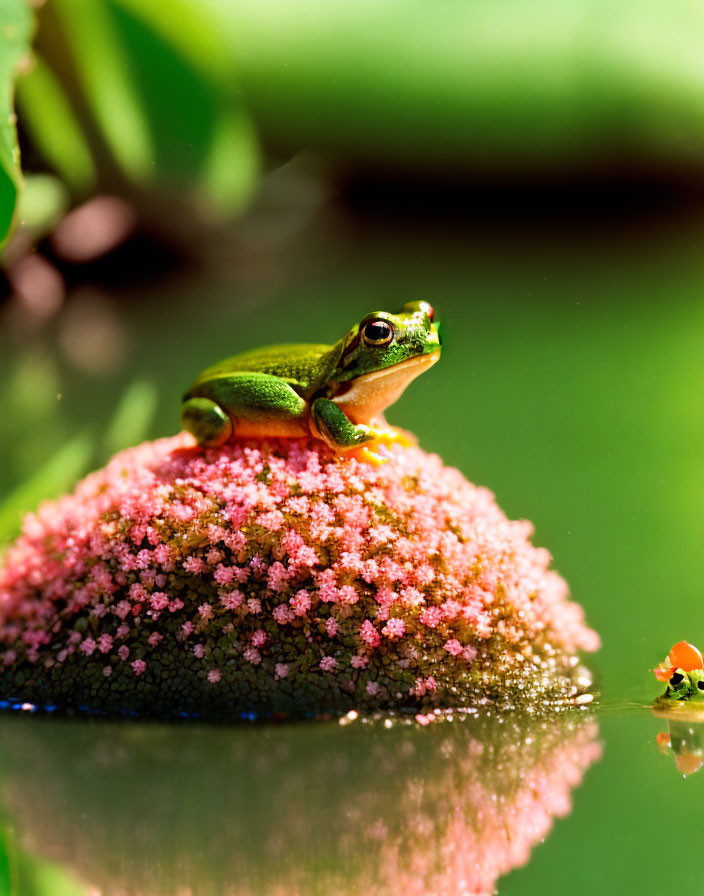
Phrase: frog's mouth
x=368 y=395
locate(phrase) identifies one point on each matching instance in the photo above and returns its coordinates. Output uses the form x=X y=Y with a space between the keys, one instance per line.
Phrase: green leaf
x=48 y=118
x=7 y=862
x=178 y=106
x=16 y=24
x=43 y=201
x=41 y=878
x=190 y=28
x=200 y=131
x=233 y=164
x=57 y=475
x=103 y=68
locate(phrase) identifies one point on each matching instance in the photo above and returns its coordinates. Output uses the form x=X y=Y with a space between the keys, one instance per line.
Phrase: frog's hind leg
x=207 y=421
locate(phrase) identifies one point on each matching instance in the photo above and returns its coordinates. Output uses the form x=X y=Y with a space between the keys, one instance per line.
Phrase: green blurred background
x=199 y=178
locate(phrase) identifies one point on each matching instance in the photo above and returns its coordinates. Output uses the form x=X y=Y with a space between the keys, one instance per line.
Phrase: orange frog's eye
x=686 y=656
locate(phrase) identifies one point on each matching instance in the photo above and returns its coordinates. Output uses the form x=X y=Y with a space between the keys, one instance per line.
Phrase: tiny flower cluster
x=276 y=577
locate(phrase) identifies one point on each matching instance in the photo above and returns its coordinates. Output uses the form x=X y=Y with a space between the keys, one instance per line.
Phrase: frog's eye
x=421 y=307
x=377 y=332
x=677 y=678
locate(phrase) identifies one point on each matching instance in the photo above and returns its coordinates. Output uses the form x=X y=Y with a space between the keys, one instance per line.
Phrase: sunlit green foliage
x=15 y=29
x=130 y=97
x=23 y=874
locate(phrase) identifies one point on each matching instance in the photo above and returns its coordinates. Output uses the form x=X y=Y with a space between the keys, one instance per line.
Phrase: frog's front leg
x=334 y=426
x=206 y=420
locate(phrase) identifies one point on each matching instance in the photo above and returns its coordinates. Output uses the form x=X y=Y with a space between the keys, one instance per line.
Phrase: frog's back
x=301 y=364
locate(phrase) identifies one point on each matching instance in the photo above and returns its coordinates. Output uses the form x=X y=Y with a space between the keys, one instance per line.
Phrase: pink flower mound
x=363 y=581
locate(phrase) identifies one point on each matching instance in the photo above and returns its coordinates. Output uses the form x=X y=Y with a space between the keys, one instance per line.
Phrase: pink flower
x=301 y=603
x=164 y=556
x=187 y=628
x=359 y=662
x=432 y=617
x=123 y=652
x=423 y=686
x=332 y=626
x=123 y=608
x=282 y=614
x=277 y=577
x=254 y=605
x=199 y=651
x=328 y=663
x=372 y=688
x=369 y=634
x=139 y=666
x=453 y=647
x=348 y=595
x=223 y=575
x=232 y=600
x=259 y=638
x=154 y=639
x=87 y=646
x=252 y=655
x=214 y=676
x=394 y=628
x=138 y=593
x=205 y=610
x=105 y=643
x=272 y=521
x=159 y=600
x=469 y=653
x=195 y=566
x=280 y=671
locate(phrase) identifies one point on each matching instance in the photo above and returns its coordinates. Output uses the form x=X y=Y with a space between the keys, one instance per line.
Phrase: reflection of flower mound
x=488 y=831
x=150 y=811
x=276 y=577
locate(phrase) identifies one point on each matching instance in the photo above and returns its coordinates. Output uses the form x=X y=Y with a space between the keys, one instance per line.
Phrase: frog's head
x=679 y=685
x=381 y=356
x=382 y=340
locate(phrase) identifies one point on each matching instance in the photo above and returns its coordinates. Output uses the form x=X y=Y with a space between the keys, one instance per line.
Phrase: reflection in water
x=307 y=809
x=683 y=739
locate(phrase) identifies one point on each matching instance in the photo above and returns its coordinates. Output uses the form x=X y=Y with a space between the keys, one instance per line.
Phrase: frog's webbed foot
x=391 y=435
x=207 y=421
x=330 y=423
x=367 y=455
x=382 y=435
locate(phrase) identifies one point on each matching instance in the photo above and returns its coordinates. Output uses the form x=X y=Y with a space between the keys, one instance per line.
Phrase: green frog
x=336 y=393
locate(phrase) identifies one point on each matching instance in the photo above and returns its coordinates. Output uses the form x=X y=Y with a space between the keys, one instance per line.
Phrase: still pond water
x=571 y=384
